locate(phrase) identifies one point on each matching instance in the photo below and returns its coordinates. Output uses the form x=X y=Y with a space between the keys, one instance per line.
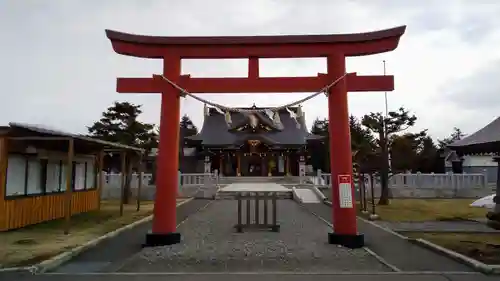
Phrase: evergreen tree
x=120 y=124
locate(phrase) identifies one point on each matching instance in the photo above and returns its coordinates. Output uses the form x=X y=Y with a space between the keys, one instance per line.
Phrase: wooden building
x=34 y=174
x=251 y=144
x=484 y=141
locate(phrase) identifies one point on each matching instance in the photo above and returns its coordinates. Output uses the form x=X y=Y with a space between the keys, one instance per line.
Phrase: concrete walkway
x=210 y=244
x=112 y=253
x=395 y=250
x=259 y=277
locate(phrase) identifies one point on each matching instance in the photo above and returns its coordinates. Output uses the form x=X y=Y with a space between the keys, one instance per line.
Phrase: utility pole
x=385 y=127
x=385 y=159
x=385 y=96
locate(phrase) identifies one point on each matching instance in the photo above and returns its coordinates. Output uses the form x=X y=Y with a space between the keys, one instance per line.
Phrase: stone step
x=230 y=195
x=306 y=195
x=229 y=180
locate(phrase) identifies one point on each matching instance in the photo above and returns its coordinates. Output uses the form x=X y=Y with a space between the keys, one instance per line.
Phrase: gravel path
x=210 y=244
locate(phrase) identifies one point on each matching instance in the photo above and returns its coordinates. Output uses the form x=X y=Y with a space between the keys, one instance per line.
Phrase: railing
x=435 y=181
x=192 y=179
x=114 y=180
x=417 y=180
x=190 y=185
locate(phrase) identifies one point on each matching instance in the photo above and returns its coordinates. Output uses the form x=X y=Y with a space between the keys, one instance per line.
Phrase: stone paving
x=210 y=244
x=257 y=276
x=439 y=226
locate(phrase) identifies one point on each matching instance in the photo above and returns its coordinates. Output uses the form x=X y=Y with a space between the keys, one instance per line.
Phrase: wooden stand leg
x=266 y=196
x=257 y=210
x=239 y=226
x=275 y=227
x=248 y=211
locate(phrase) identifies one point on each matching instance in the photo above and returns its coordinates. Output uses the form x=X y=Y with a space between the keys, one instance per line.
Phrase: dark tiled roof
x=486 y=140
x=22 y=129
x=216 y=132
x=244 y=118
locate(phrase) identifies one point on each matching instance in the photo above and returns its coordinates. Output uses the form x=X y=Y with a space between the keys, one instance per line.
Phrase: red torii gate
x=334 y=47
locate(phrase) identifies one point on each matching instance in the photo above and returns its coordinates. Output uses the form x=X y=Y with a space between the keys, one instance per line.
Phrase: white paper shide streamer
x=272 y=113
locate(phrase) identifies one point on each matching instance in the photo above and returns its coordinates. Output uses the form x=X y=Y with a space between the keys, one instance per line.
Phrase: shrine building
x=239 y=143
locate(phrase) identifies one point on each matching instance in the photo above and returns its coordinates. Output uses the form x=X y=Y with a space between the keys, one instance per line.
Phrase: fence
x=422 y=185
x=401 y=185
x=113 y=180
x=190 y=185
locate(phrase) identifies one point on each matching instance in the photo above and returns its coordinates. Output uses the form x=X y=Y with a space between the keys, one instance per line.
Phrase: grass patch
x=484 y=247
x=427 y=210
x=35 y=243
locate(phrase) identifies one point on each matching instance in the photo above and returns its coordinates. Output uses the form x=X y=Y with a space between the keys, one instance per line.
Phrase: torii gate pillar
x=167 y=177
x=343 y=211
x=334 y=47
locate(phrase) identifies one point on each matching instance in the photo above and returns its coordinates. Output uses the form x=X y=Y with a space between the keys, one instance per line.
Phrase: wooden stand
x=256 y=224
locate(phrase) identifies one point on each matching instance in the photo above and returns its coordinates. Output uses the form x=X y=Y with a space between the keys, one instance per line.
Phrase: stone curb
x=474 y=264
x=56 y=261
x=265 y=273
x=368 y=250
x=320 y=194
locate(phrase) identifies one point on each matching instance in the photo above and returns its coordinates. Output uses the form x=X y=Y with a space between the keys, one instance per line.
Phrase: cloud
x=475 y=95
x=59 y=69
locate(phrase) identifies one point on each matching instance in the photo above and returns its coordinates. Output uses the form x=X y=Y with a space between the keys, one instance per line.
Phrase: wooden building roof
x=54 y=138
x=485 y=140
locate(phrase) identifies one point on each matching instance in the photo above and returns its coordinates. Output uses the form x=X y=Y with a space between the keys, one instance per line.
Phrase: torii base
x=162 y=239
x=347 y=240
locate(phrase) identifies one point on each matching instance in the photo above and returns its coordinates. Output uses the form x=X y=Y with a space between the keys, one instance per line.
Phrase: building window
x=90 y=175
x=53 y=176
x=44 y=163
x=16 y=175
x=27 y=175
x=33 y=175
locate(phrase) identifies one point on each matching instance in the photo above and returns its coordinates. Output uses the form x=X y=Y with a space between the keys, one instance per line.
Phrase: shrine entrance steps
x=306 y=195
x=232 y=190
x=280 y=180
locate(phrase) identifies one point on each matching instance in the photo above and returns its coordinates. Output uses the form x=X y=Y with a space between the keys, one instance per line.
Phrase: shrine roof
x=216 y=132
x=265 y=39
x=485 y=140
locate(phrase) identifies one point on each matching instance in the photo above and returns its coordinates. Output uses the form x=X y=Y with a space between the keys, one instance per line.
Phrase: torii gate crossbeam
x=335 y=48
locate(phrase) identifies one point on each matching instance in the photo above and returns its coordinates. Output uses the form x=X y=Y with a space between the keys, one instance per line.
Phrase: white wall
x=476 y=161
x=19 y=166
x=479 y=161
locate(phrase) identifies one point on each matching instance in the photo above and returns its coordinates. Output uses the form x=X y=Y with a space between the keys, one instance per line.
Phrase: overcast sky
x=57 y=68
